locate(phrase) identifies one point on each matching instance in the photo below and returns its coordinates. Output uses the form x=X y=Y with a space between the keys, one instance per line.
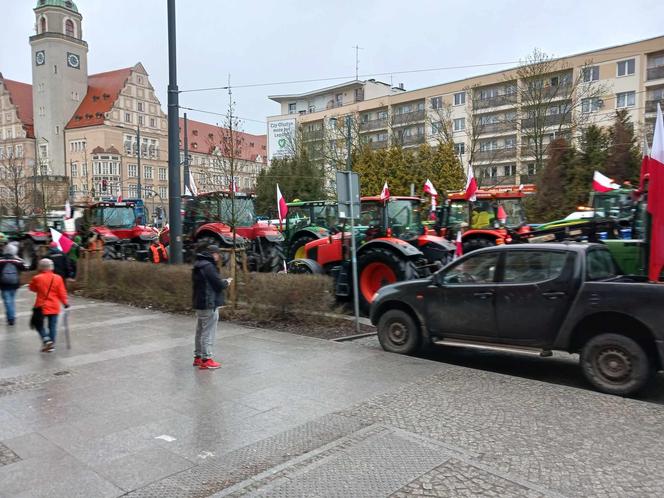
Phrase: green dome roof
x=65 y=4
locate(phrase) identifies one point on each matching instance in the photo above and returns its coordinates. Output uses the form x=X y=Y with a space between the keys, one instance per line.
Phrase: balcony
x=655 y=73
x=557 y=92
x=413 y=139
x=498 y=100
x=409 y=117
x=373 y=124
x=310 y=136
x=551 y=120
x=494 y=181
x=651 y=105
x=496 y=128
x=495 y=154
x=527 y=179
x=377 y=144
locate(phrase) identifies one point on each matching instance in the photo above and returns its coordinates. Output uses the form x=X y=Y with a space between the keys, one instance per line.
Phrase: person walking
x=51 y=292
x=61 y=264
x=10 y=280
x=208 y=287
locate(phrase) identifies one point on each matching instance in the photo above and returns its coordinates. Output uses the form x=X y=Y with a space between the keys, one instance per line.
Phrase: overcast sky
x=264 y=41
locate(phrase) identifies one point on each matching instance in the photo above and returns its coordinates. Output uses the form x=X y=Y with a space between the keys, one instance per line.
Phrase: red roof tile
x=204 y=137
x=20 y=95
x=103 y=91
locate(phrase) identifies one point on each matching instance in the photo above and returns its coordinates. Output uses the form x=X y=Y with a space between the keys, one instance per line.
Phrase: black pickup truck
x=534 y=299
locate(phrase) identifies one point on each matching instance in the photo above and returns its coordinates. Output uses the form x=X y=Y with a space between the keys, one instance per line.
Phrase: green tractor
x=307 y=221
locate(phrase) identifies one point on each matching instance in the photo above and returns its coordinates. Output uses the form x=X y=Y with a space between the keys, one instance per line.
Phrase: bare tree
x=13 y=179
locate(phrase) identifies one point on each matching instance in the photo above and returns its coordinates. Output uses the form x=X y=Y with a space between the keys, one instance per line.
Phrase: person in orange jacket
x=51 y=291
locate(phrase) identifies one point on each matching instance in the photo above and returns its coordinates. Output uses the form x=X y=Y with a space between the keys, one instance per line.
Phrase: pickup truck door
x=533 y=295
x=461 y=303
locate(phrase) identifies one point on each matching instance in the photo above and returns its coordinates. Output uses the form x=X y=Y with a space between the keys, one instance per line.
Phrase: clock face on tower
x=40 y=58
x=73 y=60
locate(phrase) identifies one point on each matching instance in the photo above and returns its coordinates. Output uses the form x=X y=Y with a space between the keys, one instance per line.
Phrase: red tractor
x=208 y=217
x=391 y=248
x=495 y=217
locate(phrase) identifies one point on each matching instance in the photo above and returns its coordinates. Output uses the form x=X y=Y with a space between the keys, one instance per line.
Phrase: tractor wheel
x=305 y=267
x=28 y=254
x=111 y=251
x=296 y=249
x=273 y=261
x=477 y=243
x=379 y=266
x=225 y=255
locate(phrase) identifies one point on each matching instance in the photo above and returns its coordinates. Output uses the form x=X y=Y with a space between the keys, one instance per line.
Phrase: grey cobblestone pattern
x=238 y=465
x=458 y=479
x=29 y=382
x=569 y=441
x=7 y=456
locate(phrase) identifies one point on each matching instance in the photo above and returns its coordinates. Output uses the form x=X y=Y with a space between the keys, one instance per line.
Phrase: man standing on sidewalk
x=10 y=279
x=208 y=287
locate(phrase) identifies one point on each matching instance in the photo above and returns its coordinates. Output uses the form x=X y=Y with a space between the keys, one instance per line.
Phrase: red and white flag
x=68 y=213
x=602 y=183
x=191 y=188
x=471 y=184
x=64 y=243
x=119 y=193
x=459 y=246
x=645 y=163
x=430 y=189
x=385 y=193
x=501 y=215
x=282 y=207
x=656 y=199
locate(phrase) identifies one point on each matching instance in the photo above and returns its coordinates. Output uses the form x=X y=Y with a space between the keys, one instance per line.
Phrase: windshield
x=244 y=211
x=298 y=216
x=514 y=211
x=614 y=205
x=404 y=217
x=458 y=213
x=114 y=217
x=485 y=213
x=326 y=216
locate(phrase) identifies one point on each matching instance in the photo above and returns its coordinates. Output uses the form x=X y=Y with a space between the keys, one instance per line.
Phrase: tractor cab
x=398 y=217
x=307 y=221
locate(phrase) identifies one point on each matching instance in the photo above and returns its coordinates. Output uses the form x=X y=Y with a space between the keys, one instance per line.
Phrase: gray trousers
x=206 y=329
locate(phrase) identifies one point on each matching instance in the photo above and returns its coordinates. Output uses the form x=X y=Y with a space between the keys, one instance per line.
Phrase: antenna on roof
x=357 y=61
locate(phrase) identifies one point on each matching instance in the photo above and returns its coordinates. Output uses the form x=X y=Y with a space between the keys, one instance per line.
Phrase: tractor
x=120 y=225
x=496 y=216
x=307 y=221
x=209 y=218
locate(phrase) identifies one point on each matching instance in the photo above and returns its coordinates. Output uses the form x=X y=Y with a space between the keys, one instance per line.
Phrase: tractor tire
x=477 y=243
x=379 y=266
x=616 y=364
x=273 y=261
x=28 y=254
x=296 y=249
x=305 y=267
x=225 y=256
x=398 y=332
x=111 y=252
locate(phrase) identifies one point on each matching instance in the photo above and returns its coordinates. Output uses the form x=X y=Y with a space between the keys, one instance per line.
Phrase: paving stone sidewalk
x=123 y=413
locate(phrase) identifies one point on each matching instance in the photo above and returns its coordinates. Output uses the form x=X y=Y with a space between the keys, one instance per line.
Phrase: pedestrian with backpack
x=10 y=280
x=51 y=292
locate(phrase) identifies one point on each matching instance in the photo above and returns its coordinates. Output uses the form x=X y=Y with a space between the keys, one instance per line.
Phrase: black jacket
x=208 y=285
x=11 y=260
x=61 y=264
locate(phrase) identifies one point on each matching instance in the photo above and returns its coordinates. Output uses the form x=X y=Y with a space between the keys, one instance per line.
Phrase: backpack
x=9 y=275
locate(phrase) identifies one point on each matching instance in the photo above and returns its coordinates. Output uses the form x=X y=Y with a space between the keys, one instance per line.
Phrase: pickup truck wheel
x=615 y=364
x=398 y=332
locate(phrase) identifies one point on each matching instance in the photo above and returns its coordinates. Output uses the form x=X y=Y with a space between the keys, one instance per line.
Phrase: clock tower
x=59 y=78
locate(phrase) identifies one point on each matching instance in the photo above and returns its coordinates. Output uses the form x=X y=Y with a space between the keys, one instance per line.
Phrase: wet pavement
x=124 y=413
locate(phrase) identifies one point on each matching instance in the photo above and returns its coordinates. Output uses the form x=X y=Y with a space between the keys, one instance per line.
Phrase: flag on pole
x=459 y=246
x=68 y=213
x=471 y=184
x=282 y=207
x=64 y=243
x=501 y=215
x=385 y=193
x=191 y=189
x=119 y=194
x=602 y=183
x=430 y=189
x=656 y=199
x=645 y=163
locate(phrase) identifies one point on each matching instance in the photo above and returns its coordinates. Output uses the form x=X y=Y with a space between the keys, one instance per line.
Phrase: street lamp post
x=351 y=211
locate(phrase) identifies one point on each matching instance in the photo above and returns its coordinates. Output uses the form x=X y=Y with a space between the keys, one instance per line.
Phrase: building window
x=590 y=104
x=153 y=122
x=626 y=68
x=510 y=142
x=509 y=170
x=43 y=151
x=69 y=27
x=590 y=73
x=163 y=192
x=459 y=124
x=132 y=170
x=42 y=25
x=162 y=174
x=532 y=169
x=436 y=127
x=140 y=120
x=127 y=117
x=74 y=170
x=292 y=108
x=312 y=108
x=147 y=172
x=626 y=99
x=19 y=150
x=437 y=103
x=460 y=98
x=141 y=108
x=460 y=148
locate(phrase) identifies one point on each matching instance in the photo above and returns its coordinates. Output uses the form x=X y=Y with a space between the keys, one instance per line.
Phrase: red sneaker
x=197 y=361
x=209 y=364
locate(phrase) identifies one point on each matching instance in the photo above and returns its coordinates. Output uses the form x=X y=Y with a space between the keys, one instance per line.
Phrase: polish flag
x=64 y=243
x=459 y=246
x=282 y=207
x=68 y=213
x=430 y=189
x=119 y=193
x=645 y=163
x=602 y=183
x=191 y=189
x=471 y=185
x=656 y=199
x=501 y=215
x=385 y=193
